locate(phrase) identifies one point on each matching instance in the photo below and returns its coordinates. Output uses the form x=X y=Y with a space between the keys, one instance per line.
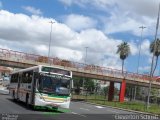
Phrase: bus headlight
x=39 y=96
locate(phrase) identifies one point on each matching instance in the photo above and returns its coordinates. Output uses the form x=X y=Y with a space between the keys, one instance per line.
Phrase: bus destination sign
x=55 y=70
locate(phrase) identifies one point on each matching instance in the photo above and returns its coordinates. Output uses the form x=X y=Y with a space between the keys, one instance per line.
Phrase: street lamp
x=86 y=55
x=154 y=50
x=51 y=22
x=85 y=60
x=141 y=27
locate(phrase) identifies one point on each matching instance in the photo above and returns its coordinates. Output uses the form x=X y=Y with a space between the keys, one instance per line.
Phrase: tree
x=155 y=49
x=77 y=83
x=89 y=85
x=123 y=51
x=105 y=91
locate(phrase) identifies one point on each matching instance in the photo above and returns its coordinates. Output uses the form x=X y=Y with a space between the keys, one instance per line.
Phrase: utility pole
x=51 y=22
x=139 y=54
x=154 y=50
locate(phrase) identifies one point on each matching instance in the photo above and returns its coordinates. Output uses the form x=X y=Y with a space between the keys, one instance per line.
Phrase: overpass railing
x=33 y=58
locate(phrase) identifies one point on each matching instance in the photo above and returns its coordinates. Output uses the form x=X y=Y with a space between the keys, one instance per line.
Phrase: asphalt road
x=77 y=111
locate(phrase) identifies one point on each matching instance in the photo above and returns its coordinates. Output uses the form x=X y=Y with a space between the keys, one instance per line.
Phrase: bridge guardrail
x=33 y=59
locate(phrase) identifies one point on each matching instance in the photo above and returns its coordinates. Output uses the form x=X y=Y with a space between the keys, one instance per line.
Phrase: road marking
x=113 y=111
x=107 y=109
x=99 y=107
x=84 y=109
x=78 y=114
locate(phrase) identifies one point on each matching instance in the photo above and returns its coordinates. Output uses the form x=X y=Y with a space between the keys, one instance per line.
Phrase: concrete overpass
x=17 y=59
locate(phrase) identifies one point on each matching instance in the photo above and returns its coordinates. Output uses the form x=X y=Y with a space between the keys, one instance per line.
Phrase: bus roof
x=35 y=67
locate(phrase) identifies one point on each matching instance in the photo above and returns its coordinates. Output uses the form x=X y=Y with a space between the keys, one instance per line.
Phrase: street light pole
x=50 y=43
x=86 y=55
x=141 y=27
x=85 y=60
x=151 y=72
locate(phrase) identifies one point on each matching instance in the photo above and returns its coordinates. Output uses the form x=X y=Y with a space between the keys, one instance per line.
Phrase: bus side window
x=30 y=77
x=14 y=78
x=23 y=77
x=27 y=77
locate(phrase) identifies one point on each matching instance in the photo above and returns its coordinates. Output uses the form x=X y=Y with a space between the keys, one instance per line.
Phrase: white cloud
x=145 y=45
x=142 y=7
x=42 y=48
x=127 y=22
x=124 y=15
x=31 y=34
x=133 y=47
x=130 y=15
x=145 y=69
x=79 y=22
x=66 y=2
x=67 y=53
x=98 y=42
x=32 y=10
x=98 y=4
x=113 y=63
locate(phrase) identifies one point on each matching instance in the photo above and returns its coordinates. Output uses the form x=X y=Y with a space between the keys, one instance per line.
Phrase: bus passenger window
x=29 y=78
x=14 y=78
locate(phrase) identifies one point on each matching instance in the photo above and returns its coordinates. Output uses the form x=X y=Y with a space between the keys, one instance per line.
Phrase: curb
x=120 y=108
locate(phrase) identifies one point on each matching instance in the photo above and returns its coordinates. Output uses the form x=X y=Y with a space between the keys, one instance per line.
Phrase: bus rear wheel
x=27 y=104
x=13 y=95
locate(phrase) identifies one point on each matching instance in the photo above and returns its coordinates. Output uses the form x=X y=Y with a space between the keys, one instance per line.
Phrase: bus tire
x=27 y=104
x=13 y=95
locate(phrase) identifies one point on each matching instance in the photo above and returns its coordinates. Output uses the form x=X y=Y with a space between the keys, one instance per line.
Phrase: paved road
x=84 y=108
x=78 y=111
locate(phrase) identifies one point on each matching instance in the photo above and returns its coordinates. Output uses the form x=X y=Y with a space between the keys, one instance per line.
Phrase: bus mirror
x=72 y=85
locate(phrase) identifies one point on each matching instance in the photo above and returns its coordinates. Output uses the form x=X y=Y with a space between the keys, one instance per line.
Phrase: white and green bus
x=42 y=86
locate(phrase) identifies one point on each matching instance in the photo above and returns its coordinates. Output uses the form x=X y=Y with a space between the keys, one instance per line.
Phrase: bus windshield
x=54 y=85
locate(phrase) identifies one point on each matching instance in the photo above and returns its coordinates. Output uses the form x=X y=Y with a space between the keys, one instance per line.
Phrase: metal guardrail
x=37 y=59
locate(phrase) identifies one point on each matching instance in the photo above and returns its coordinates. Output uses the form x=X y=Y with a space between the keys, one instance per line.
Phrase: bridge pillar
x=111 y=92
x=122 y=91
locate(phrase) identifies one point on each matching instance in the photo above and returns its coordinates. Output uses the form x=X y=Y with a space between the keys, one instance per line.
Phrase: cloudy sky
x=100 y=25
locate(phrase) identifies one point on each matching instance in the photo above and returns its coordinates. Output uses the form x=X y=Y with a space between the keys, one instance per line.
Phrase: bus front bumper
x=40 y=101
